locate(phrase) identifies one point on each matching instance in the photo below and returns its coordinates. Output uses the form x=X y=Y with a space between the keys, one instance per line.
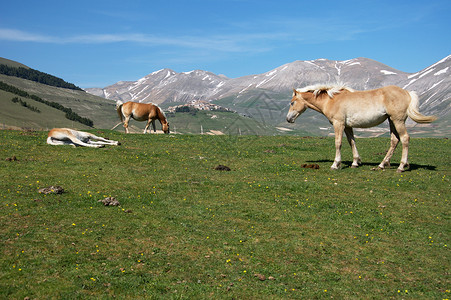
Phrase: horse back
x=139 y=111
x=373 y=106
x=387 y=96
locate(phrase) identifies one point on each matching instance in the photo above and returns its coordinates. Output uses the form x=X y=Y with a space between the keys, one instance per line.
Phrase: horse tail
x=119 y=110
x=414 y=113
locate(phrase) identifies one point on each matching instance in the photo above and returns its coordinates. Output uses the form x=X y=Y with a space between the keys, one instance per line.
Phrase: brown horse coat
x=141 y=112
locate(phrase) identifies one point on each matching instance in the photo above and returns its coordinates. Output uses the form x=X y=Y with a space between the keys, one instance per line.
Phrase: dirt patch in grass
x=222 y=168
x=310 y=166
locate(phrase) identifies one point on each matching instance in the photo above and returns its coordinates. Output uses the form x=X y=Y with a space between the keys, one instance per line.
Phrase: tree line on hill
x=25 y=104
x=69 y=114
x=37 y=76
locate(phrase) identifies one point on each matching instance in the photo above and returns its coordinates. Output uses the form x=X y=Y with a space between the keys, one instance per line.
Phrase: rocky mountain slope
x=361 y=73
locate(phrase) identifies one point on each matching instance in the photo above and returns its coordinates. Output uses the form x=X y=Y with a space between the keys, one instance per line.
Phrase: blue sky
x=97 y=43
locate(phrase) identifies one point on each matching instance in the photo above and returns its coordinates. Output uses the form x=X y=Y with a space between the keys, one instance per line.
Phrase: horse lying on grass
x=346 y=108
x=142 y=112
x=66 y=136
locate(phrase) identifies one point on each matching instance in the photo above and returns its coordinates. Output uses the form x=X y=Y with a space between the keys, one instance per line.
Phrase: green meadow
x=267 y=229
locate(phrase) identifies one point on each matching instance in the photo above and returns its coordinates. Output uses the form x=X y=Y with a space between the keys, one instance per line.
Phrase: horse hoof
x=377 y=169
x=354 y=166
x=399 y=170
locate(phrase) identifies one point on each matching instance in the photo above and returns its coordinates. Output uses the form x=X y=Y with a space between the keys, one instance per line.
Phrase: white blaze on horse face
x=292 y=115
x=297 y=107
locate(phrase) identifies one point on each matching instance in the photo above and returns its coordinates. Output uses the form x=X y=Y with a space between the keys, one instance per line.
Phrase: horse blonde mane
x=330 y=89
x=154 y=104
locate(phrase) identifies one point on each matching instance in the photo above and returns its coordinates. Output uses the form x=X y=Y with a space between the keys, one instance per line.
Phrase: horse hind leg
x=147 y=126
x=404 y=137
x=394 y=140
x=56 y=142
x=126 y=121
x=356 y=161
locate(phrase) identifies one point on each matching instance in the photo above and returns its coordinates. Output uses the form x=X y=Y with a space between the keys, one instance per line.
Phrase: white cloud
x=258 y=36
x=223 y=43
x=22 y=36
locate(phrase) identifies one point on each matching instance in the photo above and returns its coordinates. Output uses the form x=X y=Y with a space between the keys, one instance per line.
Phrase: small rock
x=51 y=190
x=110 y=201
x=261 y=277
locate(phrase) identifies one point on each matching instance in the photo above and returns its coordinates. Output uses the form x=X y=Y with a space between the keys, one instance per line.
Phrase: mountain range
x=258 y=95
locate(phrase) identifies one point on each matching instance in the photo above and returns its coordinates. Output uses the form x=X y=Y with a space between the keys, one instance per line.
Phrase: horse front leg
x=99 y=140
x=355 y=154
x=338 y=128
x=79 y=142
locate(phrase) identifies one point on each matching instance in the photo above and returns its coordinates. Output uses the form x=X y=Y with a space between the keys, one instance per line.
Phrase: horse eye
x=291 y=103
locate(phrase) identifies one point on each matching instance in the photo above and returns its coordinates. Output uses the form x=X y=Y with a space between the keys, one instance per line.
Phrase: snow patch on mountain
x=156 y=72
x=385 y=72
x=441 y=71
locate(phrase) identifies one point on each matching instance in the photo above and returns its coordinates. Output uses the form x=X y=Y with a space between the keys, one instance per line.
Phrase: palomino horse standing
x=141 y=112
x=346 y=108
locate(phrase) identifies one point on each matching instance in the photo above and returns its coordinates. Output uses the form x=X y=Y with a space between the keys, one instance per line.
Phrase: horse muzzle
x=291 y=117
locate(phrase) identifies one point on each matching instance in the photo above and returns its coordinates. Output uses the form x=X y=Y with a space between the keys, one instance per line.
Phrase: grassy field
x=267 y=229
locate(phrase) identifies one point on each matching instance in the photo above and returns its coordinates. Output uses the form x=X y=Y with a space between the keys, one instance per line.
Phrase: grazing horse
x=66 y=136
x=142 y=112
x=346 y=108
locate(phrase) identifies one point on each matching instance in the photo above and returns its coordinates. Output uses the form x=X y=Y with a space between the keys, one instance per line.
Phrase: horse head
x=163 y=120
x=165 y=127
x=297 y=106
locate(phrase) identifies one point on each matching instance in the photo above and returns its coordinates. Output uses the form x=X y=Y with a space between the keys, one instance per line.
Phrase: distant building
x=198 y=105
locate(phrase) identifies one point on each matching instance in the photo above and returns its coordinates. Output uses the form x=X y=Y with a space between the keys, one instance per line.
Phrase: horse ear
x=295 y=92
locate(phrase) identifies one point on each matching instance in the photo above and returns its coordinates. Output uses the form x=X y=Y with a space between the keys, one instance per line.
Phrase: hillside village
x=198 y=105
